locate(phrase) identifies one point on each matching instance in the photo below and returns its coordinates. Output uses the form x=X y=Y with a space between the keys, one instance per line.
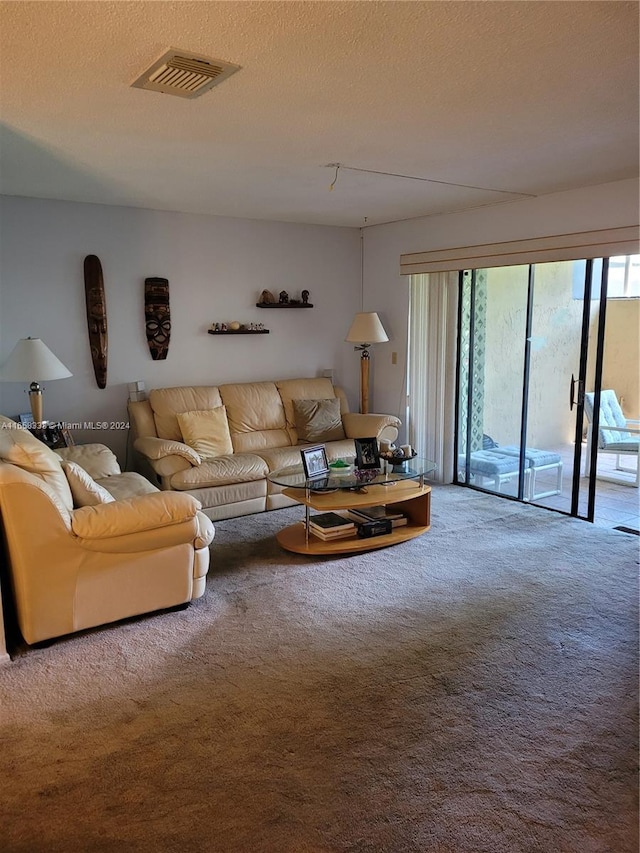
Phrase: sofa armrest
x=206 y=531
x=134 y=515
x=96 y=459
x=357 y=425
x=158 y=449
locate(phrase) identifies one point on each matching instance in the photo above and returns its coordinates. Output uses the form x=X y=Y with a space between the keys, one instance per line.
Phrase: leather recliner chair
x=75 y=567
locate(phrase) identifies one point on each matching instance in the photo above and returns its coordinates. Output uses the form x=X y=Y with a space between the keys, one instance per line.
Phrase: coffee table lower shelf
x=409 y=496
x=292 y=538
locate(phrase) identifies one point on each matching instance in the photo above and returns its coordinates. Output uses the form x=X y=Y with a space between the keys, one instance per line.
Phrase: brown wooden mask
x=157 y=316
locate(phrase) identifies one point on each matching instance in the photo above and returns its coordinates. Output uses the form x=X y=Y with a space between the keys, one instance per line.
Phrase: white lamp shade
x=367 y=329
x=32 y=361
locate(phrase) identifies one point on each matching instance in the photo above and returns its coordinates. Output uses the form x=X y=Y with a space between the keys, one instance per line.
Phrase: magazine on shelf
x=331 y=521
x=375 y=513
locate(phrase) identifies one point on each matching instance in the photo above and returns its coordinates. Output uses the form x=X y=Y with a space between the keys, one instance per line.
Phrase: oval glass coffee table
x=402 y=486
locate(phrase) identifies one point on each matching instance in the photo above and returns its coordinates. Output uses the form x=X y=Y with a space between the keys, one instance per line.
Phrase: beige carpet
x=472 y=691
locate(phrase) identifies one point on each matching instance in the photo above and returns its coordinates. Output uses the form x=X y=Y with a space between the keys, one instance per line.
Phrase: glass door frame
x=526 y=371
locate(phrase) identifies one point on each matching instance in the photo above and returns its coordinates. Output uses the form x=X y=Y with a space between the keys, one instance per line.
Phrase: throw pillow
x=85 y=490
x=207 y=432
x=318 y=421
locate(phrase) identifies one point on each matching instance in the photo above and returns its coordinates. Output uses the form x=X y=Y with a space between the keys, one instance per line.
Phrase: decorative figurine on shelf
x=305 y=296
x=223 y=327
x=266 y=297
x=284 y=297
x=234 y=326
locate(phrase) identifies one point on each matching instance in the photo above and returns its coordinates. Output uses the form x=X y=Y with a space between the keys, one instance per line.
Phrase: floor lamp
x=365 y=330
x=32 y=361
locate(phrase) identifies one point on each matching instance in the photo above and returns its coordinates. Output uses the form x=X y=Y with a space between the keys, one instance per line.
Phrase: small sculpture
x=305 y=296
x=266 y=297
x=284 y=297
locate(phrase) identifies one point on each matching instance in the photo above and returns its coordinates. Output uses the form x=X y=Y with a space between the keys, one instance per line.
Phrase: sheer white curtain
x=432 y=368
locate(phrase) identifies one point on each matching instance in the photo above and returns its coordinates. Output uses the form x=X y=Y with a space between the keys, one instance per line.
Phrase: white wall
x=216 y=269
x=621 y=363
x=387 y=292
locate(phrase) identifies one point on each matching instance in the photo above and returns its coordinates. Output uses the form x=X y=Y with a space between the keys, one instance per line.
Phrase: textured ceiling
x=521 y=97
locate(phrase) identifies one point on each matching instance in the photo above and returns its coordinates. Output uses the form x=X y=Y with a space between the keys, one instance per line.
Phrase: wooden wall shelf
x=283 y=305
x=240 y=332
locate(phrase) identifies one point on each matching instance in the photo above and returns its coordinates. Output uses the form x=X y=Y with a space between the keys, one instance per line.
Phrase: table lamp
x=32 y=361
x=365 y=330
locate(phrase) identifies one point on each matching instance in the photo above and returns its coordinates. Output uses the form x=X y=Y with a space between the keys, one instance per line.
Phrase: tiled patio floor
x=616 y=504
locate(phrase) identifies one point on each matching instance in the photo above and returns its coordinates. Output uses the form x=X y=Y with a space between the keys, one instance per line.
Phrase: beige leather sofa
x=129 y=549
x=262 y=422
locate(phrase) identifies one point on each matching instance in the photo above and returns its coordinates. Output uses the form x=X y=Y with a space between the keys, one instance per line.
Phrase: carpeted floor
x=471 y=691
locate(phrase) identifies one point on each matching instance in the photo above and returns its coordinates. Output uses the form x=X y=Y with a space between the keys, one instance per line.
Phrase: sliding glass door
x=530 y=346
x=492 y=324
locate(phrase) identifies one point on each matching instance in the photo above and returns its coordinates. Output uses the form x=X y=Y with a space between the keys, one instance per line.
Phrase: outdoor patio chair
x=616 y=435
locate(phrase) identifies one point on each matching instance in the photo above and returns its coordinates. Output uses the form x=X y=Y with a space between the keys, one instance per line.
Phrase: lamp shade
x=367 y=329
x=32 y=361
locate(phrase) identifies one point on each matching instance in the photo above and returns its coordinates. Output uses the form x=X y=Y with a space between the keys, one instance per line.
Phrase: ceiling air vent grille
x=187 y=75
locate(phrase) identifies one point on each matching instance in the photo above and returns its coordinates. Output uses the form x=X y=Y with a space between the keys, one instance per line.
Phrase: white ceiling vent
x=185 y=74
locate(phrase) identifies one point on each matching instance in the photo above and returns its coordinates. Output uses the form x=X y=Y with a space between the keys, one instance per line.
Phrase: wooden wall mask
x=96 y=317
x=157 y=316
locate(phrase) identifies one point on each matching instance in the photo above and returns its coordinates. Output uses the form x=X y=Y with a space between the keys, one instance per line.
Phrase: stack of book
x=331 y=525
x=377 y=513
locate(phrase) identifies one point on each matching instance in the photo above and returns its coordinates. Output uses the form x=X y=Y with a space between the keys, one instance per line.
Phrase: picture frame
x=367 y=453
x=67 y=437
x=25 y=419
x=52 y=434
x=314 y=461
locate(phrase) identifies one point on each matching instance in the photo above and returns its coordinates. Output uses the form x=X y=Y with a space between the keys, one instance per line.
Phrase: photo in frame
x=314 y=461
x=52 y=434
x=367 y=453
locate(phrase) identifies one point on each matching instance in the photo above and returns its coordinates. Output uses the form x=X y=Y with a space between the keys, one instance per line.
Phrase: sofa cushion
x=167 y=402
x=85 y=490
x=19 y=447
x=207 y=432
x=283 y=457
x=318 y=420
x=129 y=484
x=256 y=416
x=221 y=471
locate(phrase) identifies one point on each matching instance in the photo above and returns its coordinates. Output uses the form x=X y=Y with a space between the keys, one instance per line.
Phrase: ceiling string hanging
x=338 y=166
